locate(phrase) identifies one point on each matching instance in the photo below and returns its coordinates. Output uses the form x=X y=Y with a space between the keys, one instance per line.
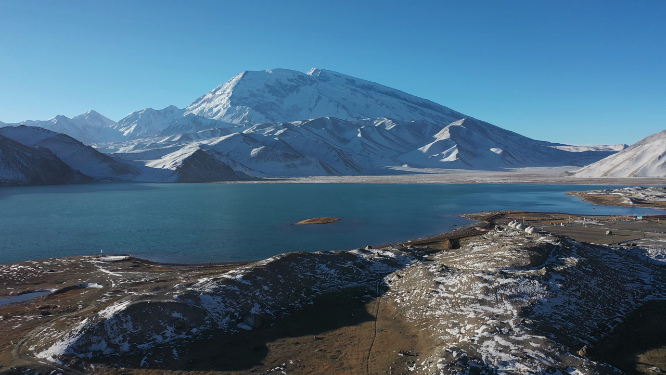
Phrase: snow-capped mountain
x=286 y=123
x=89 y=128
x=25 y=165
x=148 y=121
x=171 y=120
x=645 y=158
x=281 y=95
x=75 y=154
x=93 y=119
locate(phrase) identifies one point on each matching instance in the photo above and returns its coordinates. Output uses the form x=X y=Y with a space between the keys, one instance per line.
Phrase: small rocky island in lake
x=318 y=220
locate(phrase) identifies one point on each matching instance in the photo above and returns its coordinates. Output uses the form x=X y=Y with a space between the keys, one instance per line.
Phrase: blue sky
x=581 y=72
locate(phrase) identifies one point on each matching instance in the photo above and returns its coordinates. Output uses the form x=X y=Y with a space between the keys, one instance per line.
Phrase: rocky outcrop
x=200 y=166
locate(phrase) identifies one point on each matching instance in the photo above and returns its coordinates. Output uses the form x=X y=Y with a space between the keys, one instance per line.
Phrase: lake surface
x=197 y=223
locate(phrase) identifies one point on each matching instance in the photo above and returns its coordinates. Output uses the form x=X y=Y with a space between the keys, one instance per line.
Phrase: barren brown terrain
x=356 y=330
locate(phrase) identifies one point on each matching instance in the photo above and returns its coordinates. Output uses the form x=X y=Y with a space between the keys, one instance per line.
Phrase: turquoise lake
x=197 y=223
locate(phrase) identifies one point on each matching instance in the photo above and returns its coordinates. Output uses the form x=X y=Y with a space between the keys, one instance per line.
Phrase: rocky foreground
x=505 y=301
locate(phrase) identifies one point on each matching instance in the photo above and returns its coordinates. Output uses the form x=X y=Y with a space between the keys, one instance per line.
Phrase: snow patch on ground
x=513 y=302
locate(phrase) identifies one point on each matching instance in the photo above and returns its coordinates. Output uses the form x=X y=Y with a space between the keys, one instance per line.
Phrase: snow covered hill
x=75 y=154
x=645 y=158
x=89 y=128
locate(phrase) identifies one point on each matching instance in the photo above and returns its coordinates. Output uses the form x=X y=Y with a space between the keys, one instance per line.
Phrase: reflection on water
x=228 y=222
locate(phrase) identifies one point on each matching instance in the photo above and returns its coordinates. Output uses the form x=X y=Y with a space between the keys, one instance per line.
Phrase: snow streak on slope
x=645 y=158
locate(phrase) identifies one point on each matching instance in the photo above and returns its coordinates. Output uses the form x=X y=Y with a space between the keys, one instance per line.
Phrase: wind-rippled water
x=196 y=223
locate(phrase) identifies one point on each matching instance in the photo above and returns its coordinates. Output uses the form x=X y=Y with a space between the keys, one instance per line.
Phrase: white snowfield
x=645 y=158
x=282 y=122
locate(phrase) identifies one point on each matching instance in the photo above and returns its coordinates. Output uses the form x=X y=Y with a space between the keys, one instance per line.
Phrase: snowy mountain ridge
x=90 y=127
x=330 y=146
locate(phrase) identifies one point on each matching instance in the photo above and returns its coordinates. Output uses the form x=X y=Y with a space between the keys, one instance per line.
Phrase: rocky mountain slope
x=645 y=158
x=25 y=165
x=73 y=153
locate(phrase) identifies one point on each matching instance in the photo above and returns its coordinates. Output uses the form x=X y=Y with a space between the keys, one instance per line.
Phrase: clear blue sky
x=581 y=72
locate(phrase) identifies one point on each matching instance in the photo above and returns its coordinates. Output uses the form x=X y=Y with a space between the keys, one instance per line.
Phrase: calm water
x=218 y=222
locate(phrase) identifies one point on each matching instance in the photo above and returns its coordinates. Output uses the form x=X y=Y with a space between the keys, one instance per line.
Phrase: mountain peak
x=93 y=118
x=326 y=74
x=283 y=95
x=91 y=112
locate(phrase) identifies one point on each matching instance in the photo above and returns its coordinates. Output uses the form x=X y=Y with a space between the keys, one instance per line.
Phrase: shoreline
x=444 y=177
